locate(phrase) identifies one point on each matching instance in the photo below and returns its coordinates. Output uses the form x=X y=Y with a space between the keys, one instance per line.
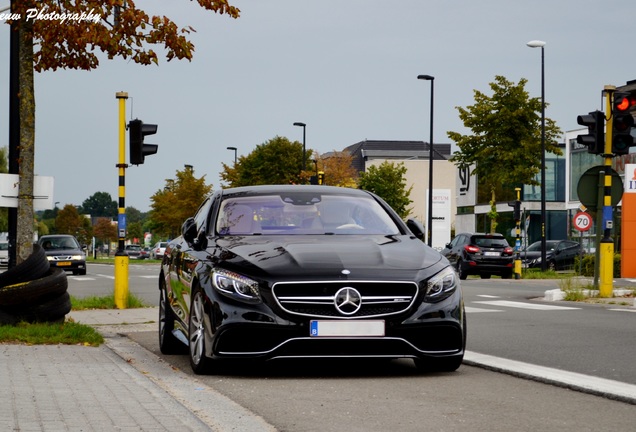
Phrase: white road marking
x=586 y=383
x=522 y=305
x=477 y=310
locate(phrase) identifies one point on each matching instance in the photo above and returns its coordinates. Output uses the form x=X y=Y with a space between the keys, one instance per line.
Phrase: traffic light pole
x=606 y=268
x=517 y=216
x=121 y=258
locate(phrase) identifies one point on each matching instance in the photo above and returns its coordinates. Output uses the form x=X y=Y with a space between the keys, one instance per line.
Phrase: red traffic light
x=623 y=102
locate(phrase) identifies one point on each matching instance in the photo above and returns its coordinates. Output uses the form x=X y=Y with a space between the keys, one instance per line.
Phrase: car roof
x=273 y=189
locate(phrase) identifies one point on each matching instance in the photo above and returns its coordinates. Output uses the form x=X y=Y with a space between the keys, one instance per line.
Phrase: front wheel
x=196 y=335
x=168 y=343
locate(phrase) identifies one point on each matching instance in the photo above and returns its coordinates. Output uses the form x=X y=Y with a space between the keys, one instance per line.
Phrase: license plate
x=63 y=263
x=491 y=254
x=346 y=328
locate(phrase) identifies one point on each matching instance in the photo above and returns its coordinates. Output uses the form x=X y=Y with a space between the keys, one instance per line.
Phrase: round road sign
x=582 y=221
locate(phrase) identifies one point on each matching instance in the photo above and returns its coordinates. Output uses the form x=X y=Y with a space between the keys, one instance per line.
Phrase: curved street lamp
x=541 y=44
x=429 y=222
x=303 y=126
x=233 y=148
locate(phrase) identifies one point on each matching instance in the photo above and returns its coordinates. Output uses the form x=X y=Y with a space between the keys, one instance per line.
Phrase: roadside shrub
x=587 y=265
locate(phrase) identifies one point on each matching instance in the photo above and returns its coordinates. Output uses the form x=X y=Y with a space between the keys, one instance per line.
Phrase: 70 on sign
x=582 y=221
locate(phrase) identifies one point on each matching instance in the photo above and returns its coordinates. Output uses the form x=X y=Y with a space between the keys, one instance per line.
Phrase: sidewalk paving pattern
x=118 y=386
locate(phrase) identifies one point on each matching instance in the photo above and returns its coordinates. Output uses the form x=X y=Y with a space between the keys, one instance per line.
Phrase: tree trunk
x=24 y=231
x=493 y=212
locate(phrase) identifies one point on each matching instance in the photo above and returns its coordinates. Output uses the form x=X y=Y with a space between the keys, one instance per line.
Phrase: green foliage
x=505 y=143
x=180 y=199
x=587 y=265
x=100 y=204
x=387 y=181
x=277 y=161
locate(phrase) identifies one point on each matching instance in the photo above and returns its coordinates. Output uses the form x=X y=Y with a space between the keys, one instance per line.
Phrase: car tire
x=196 y=334
x=168 y=343
x=460 y=271
x=53 y=284
x=34 y=267
x=52 y=310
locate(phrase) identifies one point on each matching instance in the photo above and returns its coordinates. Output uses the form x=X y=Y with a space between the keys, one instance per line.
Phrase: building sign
x=441 y=228
x=466 y=187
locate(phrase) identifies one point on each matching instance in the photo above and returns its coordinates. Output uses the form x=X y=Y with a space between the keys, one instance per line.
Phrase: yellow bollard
x=121 y=281
x=606 y=270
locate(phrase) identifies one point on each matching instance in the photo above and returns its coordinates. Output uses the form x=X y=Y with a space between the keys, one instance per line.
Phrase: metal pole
x=429 y=222
x=543 y=211
x=121 y=258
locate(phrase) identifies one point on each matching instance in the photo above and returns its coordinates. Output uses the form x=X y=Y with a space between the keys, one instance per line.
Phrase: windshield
x=57 y=243
x=487 y=241
x=536 y=246
x=303 y=214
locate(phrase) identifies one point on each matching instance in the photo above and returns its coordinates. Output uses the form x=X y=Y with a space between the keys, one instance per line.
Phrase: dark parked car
x=134 y=251
x=270 y=272
x=480 y=254
x=64 y=251
x=559 y=254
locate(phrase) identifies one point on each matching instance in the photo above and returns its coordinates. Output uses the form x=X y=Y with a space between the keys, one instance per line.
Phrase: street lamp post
x=541 y=44
x=303 y=126
x=233 y=148
x=429 y=222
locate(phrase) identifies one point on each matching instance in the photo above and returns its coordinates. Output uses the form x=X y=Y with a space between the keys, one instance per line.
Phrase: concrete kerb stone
x=211 y=407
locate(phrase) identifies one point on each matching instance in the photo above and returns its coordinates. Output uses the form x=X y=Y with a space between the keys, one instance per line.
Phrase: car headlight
x=442 y=285
x=236 y=286
x=77 y=257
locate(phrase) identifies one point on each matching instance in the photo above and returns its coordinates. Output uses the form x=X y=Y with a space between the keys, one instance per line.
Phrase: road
x=378 y=396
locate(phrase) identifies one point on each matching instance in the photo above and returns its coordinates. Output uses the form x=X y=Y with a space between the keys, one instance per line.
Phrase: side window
x=201 y=217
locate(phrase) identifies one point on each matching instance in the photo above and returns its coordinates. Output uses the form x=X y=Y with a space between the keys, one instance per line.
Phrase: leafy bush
x=587 y=265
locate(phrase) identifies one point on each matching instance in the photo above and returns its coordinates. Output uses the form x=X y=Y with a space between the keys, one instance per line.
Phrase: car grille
x=61 y=258
x=345 y=299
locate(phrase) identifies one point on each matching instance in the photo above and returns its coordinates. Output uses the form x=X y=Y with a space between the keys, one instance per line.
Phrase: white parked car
x=158 y=250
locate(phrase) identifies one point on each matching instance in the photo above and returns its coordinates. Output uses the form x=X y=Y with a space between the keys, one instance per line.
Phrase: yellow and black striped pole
x=121 y=258
x=606 y=264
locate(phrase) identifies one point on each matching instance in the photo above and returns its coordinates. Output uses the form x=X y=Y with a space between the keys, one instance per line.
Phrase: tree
x=505 y=144
x=115 y=27
x=100 y=204
x=4 y=168
x=69 y=221
x=338 y=169
x=277 y=161
x=387 y=181
x=105 y=230
x=179 y=200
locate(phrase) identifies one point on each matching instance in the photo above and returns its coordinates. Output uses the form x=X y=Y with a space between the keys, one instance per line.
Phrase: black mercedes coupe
x=294 y=271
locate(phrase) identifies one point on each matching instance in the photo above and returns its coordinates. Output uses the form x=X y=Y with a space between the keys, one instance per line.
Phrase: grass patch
x=107 y=302
x=68 y=332
x=573 y=290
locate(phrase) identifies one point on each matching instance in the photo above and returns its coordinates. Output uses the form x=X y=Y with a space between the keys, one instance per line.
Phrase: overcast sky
x=346 y=68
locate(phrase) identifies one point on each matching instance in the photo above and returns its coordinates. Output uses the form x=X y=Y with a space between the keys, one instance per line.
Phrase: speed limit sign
x=582 y=221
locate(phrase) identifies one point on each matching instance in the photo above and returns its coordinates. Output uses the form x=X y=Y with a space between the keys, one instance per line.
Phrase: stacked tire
x=33 y=291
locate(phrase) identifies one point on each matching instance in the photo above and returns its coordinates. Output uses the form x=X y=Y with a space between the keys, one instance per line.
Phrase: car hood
x=327 y=254
x=57 y=252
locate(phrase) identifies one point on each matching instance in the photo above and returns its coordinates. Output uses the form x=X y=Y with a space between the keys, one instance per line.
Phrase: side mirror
x=189 y=230
x=416 y=228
